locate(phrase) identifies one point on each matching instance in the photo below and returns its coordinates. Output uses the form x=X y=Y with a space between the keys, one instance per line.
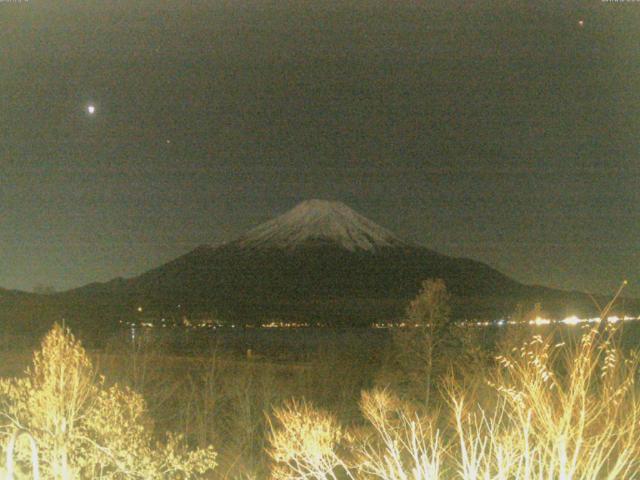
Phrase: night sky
x=504 y=131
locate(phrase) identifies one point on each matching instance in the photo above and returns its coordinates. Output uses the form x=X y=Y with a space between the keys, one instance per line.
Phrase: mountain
x=319 y=262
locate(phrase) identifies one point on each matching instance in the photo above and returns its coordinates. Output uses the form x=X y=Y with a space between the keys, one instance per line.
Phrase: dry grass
x=557 y=411
x=221 y=399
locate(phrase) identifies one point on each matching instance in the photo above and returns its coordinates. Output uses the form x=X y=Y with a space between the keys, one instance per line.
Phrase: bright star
x=91 y=109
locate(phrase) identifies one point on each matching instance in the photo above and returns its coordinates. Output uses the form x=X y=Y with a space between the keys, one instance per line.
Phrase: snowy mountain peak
x=319 y=222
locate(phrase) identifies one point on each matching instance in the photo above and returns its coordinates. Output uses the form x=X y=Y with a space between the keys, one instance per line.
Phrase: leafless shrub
x=304 y=443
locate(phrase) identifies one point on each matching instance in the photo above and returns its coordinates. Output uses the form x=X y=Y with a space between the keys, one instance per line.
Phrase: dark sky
x=499 y=130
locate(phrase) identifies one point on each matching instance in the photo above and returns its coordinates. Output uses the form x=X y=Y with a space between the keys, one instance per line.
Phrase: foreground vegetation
x=552 y=411
x=438 y=404
x=83 y=428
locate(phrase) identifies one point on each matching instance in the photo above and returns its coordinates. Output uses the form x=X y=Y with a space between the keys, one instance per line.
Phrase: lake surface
x=300 y=343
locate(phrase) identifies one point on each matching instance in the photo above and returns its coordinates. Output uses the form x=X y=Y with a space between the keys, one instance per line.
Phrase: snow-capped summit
x=319 y=222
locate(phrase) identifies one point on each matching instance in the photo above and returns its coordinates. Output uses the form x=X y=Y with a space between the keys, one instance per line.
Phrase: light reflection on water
x=302 y=342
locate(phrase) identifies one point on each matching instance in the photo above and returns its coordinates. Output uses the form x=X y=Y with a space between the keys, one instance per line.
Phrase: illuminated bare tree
x=424 y=347
x=84 y=428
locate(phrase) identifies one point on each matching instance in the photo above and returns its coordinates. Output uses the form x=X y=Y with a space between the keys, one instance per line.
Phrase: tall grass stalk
x=556 y=411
